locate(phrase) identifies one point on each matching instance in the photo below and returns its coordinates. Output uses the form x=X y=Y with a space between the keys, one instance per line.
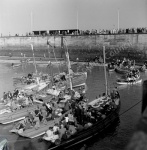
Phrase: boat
x=122 y=70
x=123 y=82
x=129 y=80
x=70 y=79
x=13 y=116
x=86 y=133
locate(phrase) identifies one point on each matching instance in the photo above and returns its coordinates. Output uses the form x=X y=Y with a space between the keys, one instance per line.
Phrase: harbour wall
x=85 y=47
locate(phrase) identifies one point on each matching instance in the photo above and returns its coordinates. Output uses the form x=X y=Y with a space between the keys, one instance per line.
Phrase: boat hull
x=16 y=115
x=129 y=83
x=84 y=135
x=121 y=71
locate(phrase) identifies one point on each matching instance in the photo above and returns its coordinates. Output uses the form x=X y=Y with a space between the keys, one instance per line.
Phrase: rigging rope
x=56 y=60
x=130 y=108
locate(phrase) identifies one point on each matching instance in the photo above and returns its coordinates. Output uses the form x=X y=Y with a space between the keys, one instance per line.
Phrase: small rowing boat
x=129 y=82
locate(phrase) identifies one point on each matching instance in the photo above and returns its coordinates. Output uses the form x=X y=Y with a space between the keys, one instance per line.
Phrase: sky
x=23 y=16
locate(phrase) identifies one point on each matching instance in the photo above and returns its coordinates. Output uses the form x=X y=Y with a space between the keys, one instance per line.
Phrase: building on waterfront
x=56 y=32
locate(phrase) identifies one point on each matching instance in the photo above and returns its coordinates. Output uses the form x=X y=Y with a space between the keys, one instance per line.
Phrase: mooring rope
x=130 y=108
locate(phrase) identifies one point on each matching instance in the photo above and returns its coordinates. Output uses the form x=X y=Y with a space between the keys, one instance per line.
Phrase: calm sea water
x=115 y=138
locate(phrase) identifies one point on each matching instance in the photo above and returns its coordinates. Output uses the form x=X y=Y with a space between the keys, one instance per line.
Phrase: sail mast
x=106 y=83
x=34 y=58
x=68 y=65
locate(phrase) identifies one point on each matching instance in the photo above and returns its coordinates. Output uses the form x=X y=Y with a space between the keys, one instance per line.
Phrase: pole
x=118 y=19
x=34 y=58
x=106 y=83
x=68 y=65
x=77 y=22
x=31 y=22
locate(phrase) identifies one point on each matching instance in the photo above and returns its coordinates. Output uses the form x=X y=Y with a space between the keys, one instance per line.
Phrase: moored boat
x=16 y=115
x=123 y=82
x=122 y=70
x=133 y=77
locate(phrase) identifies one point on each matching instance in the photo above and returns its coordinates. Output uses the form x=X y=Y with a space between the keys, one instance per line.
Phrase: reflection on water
x=114 y=140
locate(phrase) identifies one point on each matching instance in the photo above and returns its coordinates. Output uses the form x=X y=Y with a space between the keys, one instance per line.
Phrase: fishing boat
x=67 y=80
x=129 y=80
x=16 y=115
x=122 y=70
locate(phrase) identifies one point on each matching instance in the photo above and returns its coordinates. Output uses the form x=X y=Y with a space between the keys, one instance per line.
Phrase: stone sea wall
x=85 y=47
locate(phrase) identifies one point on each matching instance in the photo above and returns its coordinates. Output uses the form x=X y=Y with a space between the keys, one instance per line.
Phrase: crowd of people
x=16 y=99
x=139 y=30
x=133 y=75
x=80 y=116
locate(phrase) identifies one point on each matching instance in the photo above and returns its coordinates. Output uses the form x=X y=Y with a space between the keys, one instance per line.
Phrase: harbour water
x=116 y=138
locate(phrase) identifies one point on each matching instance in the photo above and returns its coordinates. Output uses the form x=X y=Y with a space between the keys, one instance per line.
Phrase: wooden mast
x=106 y=83
x=68 y=65
x=34 y=58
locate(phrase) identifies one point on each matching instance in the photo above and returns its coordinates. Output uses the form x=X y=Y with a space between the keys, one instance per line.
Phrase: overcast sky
x=15 y=15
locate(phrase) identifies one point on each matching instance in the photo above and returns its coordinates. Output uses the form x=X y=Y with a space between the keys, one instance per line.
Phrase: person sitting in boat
x=30 y=75
x=14 y=106
x=15 y=93
x=62 y=131
x=43 y=115
x=72 y=129
x=56 y=128
x=9 y=95
x=48 y=108
x=21 y=126
x=4 y=99
x=71 y=118
x=30 y=116
x=30 y=98
x=63 y=76
x=36 y=120
x=117 y=95
x=50 y=136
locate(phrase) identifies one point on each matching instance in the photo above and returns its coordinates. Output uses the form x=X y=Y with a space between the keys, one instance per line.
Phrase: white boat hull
x=129 y=83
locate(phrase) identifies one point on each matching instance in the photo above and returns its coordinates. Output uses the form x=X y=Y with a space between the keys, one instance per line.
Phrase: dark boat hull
x=86 y=134
x=121 y=71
